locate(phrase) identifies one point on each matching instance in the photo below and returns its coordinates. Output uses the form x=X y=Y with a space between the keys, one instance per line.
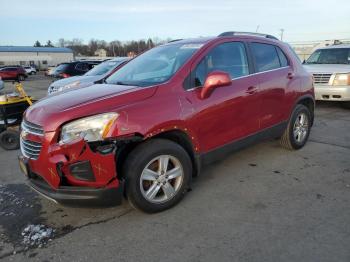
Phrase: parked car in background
x=97 y=74
x=49 y=71
x=13 y=73
x=76 y=68
x=159 y=118
x=30 y=70
x=2 y=84
x=330 y=67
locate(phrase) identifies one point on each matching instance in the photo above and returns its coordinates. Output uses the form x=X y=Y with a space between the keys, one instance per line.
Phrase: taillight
x=64 y=75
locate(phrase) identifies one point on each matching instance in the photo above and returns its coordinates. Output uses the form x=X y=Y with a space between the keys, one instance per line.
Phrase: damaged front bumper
x=73 y=173
x=79 y=196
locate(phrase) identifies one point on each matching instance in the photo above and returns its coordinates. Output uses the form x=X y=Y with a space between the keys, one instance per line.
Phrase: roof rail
x=232 y=33
x=175 y=40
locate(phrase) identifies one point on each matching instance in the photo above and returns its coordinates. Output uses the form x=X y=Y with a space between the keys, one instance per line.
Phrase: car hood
x=53 y=111
x=327 y=68
x=82 y=79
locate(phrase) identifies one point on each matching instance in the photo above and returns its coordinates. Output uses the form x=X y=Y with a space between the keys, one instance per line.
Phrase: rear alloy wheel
x=298 y=129
x=157 y=175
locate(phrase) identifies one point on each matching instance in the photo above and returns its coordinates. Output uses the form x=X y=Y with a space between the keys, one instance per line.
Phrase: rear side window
x=227 y=57
x=82 y=67
x=265 y=57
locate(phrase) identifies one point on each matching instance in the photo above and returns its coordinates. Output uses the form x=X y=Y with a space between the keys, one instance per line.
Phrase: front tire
x=298 y=130
x=157 y=173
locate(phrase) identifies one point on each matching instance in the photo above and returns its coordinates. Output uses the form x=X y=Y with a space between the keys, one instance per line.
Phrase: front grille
x=32 y=128
x=30 y=149
x=321 y=78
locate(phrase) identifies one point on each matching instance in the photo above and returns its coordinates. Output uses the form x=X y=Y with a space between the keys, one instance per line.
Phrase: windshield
x=330 y=56
x=104 y=68
x=155 y=66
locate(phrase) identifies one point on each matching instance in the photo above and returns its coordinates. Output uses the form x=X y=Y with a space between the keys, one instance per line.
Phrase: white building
x=101 y=52
x=42 y=57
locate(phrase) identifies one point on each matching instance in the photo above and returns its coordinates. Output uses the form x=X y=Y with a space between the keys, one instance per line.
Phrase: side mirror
x=214 y=80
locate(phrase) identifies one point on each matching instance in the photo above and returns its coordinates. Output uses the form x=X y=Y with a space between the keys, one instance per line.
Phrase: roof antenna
x=282 y=31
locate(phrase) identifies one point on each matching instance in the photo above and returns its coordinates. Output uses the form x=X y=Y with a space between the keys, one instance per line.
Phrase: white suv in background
x=330 y=67
x=30 y=70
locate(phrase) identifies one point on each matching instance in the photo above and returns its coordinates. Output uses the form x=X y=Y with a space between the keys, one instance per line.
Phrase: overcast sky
x=24 y=22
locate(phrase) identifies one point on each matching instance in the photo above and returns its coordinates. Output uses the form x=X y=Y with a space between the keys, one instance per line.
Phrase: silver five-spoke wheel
x=301 y=127
x=161 y=179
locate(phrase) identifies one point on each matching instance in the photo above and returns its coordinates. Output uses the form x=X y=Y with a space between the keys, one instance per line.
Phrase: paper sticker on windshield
x=191 y=46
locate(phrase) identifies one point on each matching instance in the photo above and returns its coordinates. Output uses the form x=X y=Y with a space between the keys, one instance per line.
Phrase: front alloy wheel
x=161 y=179
x=157 y=175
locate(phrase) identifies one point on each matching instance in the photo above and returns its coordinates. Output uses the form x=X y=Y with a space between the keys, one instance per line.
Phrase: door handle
x=290 y=75
x=252 y=90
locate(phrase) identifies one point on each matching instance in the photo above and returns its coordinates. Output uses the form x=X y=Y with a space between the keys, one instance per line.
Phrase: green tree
x=49 y=44
x=37 y=44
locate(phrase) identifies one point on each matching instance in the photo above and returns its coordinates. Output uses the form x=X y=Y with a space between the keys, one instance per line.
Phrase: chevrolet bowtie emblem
x=24 y=134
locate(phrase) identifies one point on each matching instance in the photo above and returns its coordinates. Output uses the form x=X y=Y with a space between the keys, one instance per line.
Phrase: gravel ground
x=261 y=204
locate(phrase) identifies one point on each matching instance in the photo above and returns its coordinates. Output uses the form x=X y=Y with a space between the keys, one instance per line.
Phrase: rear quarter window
x=282 y=57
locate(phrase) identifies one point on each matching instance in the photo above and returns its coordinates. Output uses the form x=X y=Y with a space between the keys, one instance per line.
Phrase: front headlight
x=341 y=80
x=92 y=128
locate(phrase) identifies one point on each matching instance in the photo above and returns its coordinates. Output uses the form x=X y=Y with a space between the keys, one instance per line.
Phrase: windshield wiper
x=125 y=83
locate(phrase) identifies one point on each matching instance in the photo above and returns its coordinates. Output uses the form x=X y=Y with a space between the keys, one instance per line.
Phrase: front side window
x=265 y=57
x=155 y=66
x=330 y=56
x=228 y=57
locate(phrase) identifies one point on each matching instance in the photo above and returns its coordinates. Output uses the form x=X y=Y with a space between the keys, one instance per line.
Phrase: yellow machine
x=12 y=107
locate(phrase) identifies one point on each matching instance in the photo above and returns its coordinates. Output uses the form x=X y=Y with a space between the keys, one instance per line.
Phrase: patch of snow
x=37 y=235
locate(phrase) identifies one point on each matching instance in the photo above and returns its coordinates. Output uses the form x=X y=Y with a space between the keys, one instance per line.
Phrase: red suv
x=155 y=122
x=13 y=73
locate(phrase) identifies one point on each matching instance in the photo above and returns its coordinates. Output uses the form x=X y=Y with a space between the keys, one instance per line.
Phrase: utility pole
x=282 y=31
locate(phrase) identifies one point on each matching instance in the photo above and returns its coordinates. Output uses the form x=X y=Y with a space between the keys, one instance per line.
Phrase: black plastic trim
x=79 y=196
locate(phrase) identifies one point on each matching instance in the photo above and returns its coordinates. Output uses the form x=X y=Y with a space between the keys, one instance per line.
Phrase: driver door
x=231 y=112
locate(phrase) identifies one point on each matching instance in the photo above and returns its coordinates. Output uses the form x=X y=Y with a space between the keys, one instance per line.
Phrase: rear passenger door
x=274 y=75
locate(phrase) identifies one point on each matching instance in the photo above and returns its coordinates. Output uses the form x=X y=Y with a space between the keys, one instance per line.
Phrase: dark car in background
x=13 y=73
x=96 y=74
x=76 y=68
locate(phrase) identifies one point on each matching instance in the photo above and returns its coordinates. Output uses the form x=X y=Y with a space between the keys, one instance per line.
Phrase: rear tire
x=346 y=104
x=298 y=130
x=158 y=174
x=20 y=78
x=9 y=140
